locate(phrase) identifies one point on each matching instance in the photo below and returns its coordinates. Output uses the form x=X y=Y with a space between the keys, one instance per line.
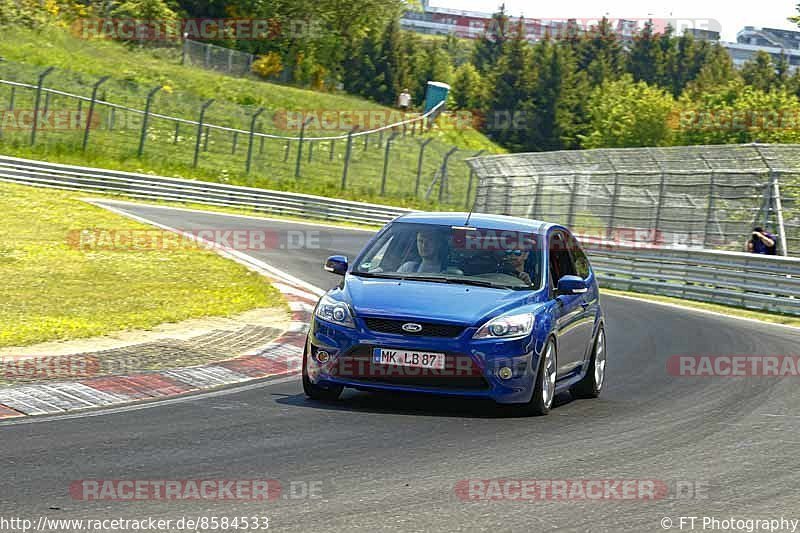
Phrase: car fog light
x=505 y=373
x=323 y=356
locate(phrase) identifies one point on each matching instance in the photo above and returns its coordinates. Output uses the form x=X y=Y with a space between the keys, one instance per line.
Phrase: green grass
x=54 y=291
x=115 y=142
x=773 y=318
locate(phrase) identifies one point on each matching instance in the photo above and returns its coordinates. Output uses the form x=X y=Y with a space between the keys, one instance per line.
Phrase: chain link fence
x=219 y=58
x=692 y=196
x=228 y=142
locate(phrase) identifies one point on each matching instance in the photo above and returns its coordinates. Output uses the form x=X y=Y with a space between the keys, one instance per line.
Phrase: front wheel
x=545 y=389
x=315 y=392
x=592 y=383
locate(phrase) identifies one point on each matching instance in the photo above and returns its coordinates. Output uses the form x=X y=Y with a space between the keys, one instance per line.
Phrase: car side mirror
x=336 y=264
x=572 y=285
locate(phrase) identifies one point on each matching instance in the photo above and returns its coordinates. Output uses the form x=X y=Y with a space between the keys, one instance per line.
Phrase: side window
x=560 y=260
x=579 y=258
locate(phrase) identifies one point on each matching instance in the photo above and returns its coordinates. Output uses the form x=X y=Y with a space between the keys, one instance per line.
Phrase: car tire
x=315 y=392
x=592 y=383
x=545 y=389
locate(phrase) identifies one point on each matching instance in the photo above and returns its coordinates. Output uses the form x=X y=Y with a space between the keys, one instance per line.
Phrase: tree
x=601 y=53
x=491 y=44
x=468 y=88
x=739 y=113
x=628 y=113
x=646 y=59
x=511 y=80
x=760 y=72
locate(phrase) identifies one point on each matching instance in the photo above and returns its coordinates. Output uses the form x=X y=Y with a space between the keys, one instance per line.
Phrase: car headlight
x=334 y=311
x=506 y=327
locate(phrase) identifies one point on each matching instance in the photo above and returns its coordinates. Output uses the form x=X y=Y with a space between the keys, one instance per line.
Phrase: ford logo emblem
x=412 y=328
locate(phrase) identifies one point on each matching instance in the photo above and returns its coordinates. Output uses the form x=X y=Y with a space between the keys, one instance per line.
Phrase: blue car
x=459 y=304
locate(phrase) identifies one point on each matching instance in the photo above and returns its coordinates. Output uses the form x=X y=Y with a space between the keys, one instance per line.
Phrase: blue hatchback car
x=459 y=304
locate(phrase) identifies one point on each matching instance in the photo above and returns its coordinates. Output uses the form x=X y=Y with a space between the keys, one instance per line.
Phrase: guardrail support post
x=612 y=215
x=90 y=115
x=419 y=165
x=348 y=149
x=37 y=102
x=146 y=118
x=253 y=120
x=200 y=131
x=386 y=162
x=300 y=147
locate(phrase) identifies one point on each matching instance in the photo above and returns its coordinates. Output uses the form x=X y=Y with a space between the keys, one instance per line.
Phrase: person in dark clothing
x=762 y=242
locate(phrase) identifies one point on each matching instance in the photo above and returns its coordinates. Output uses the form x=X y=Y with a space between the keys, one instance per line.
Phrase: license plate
x=408 y=358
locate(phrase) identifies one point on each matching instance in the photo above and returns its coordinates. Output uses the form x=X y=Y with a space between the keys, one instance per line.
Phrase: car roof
x=477 y=220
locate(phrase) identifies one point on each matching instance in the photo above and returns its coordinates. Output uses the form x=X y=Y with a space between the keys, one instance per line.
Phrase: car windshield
x=472 y=256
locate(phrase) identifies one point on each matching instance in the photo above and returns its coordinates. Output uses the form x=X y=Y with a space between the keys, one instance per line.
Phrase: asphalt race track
x=392 y=463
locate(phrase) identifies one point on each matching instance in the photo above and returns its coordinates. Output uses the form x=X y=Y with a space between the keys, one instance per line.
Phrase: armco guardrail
x=176 y=189
x=768 y=283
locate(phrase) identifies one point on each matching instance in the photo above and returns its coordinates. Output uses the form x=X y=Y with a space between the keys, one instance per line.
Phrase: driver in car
x=431 y=249
x=513 y=262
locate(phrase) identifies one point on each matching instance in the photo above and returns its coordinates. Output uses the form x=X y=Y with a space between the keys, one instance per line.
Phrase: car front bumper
x=471 y=369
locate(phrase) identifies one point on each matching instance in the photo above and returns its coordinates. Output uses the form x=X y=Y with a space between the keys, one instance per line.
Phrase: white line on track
x=235 y=215
x=241 y=258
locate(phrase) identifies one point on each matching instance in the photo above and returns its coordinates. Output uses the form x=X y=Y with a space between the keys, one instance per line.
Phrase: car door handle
x=584 y=305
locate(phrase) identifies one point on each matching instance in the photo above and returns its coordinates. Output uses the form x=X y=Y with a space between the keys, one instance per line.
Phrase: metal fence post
x=443 y=178
x=90 y=115
x=252 y=136
x=348 y=149
x=200 y=130
x=612 y=215
x=386 y=162
x=300 y=147
x=661 y=189
x=286 y=151
x=573 y=198
x=709 y=210
x=37 y=102
x=11 y=98
x=471 y=177
x=146 y=118
x=177 y=132
x=333 y=144
x=310 y=151
x=234 y=142
x=776 y=190
x=419 y=164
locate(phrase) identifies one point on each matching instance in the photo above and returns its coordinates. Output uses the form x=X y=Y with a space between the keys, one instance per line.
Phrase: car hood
x=430 y=301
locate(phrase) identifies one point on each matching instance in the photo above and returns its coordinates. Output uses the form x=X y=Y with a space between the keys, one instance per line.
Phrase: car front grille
x=460 y=372
x=384 y=325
